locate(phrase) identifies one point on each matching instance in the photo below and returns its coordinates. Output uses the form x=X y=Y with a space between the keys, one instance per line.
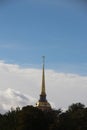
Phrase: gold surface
x=43 y=105
x=43 y=82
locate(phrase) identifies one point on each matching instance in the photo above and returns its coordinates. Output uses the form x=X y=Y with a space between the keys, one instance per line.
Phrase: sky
x=30 y=29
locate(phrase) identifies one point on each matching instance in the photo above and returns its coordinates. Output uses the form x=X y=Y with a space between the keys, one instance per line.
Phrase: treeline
x=31 y=118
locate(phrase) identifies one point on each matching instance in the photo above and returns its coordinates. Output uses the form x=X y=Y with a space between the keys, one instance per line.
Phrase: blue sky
x=30 y=29
x=54 y=28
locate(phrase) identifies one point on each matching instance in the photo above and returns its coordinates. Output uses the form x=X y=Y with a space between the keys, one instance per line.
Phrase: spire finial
x=43 y=59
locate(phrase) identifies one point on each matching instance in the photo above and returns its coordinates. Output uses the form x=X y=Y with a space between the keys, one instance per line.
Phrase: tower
x=43 y=104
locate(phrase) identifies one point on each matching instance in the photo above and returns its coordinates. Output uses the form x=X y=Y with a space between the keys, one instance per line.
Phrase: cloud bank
x=21 y=86
x=12 y=99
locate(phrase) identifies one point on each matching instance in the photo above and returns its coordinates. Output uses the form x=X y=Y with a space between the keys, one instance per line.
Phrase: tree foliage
x=31 y=118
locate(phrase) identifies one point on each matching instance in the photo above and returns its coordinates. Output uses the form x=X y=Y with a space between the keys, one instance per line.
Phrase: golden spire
x=43 y=104
x=43 y=78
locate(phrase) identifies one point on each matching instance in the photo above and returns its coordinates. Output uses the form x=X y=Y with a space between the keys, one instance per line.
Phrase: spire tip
x=43 y=59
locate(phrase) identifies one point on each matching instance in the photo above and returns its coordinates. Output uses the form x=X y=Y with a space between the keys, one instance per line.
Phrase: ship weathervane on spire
x=43 y=59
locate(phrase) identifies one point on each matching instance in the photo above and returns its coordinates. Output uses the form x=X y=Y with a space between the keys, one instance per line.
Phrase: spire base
x=42 y=98
x=44 y=106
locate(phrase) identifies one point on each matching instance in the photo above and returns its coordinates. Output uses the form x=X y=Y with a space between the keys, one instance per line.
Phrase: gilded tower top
x=43 y=104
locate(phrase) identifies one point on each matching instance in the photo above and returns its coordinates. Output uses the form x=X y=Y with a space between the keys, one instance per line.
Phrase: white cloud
x=21 y=86
x=12 y=98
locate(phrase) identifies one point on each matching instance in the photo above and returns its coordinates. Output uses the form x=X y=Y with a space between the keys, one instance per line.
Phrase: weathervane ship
x=43 y=104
